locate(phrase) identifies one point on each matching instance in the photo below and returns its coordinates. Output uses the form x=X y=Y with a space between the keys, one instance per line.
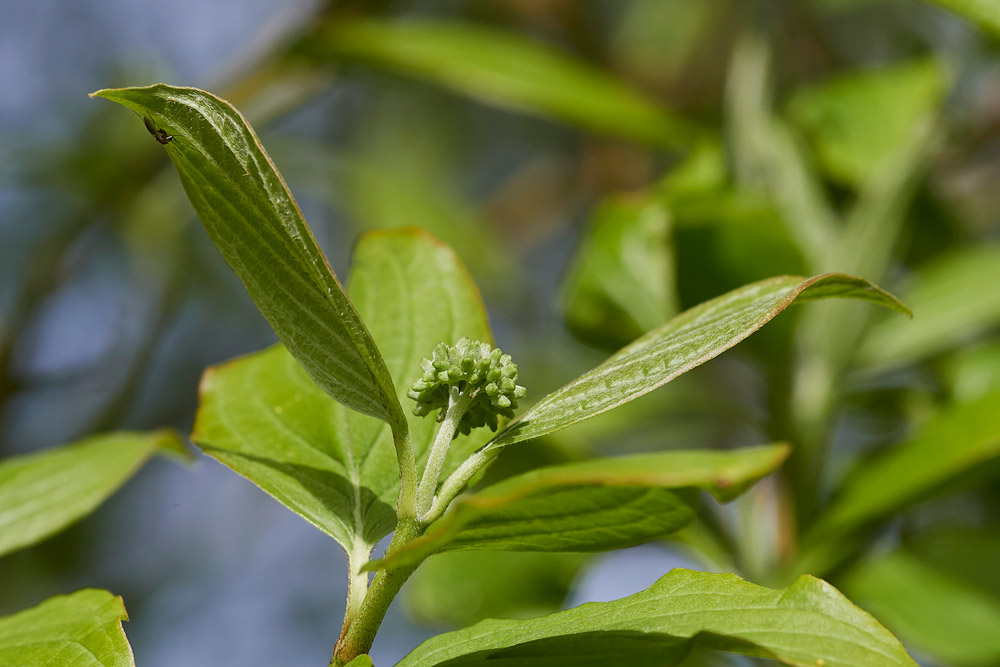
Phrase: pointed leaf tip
x=257 y=226
x=685 y=342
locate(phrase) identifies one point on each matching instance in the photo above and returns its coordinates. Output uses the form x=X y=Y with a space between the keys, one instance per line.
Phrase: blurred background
x=598 y=166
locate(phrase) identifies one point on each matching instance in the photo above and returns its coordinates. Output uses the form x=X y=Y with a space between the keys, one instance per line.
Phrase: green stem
x=359 y=635
x=457 y=481
x=458 y=404
x=406 y=501
x=366 y=606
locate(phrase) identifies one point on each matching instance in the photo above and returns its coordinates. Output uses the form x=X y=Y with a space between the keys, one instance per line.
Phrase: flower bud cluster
x=484 y=376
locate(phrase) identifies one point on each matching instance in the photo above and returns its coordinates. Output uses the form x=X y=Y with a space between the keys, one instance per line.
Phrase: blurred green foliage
x=623 y=161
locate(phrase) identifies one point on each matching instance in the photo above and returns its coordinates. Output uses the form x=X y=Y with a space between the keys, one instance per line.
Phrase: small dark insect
x=158 y=134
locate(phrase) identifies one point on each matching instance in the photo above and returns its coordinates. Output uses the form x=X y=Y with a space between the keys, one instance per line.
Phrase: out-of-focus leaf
x=984 y=13
x=974 y=372
x=953 y=299
x=593 y=505
x=686 y=341
x=464 y=587
x=724 y=235
x=726 y=241
x=858 y=119
x=505 y=69
x=969 y=555
x=954 y=442
x=263 y=417
x=869 y=237
x=702 y=171
x=808 y=623
x=83 y=629
x=928 y=609
x=399 y=178
x=40 y=494
x=655 y=39
x=767 y=156
x=828 y=337
x=361 y=661
x=622 y=281
x=255 y=223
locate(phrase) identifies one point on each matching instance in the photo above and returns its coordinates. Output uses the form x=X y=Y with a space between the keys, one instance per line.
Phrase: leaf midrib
x=296 y=274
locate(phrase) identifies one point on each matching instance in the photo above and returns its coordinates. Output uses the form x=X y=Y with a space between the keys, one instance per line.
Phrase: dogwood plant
x=385 y=400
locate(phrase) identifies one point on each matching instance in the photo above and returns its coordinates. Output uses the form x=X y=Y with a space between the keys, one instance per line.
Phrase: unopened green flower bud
x=482 y=373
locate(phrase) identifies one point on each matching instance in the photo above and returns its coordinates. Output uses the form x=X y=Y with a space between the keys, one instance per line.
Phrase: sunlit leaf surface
x=83 y=629
x=808 y=623
x=858 y=119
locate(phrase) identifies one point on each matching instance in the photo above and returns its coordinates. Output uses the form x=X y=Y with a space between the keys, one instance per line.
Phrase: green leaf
x=808 y=623
x=984 y=13
x=622 y=281
x=947 y=618
x=507 y=70
x=829 y=337
x=969 y=555
x=724 y=235
x=255 y=223
x=263 y=417
x=686 y=341
x=952 y=300
x=855 y=121
x=460 y=588
x=972 y=372
x=593 y=505
x=394 y=178
x=956 y=441
x=363 y=660
x=40 y=494
x=766 y=154
x=83 y=629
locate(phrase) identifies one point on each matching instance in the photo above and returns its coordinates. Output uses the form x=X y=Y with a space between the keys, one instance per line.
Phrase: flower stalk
x=458 y=404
